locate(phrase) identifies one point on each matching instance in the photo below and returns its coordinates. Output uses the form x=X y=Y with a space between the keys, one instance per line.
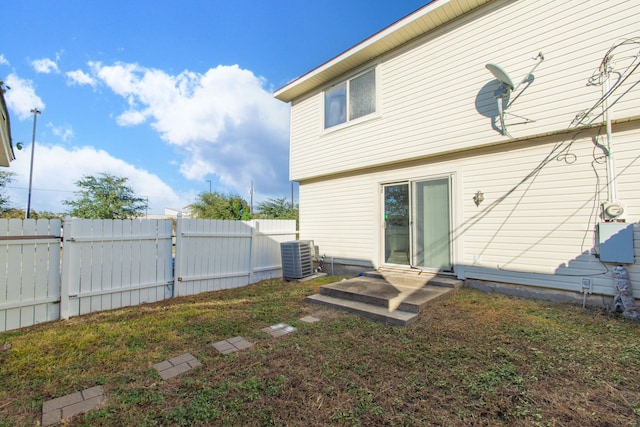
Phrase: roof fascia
x=383 y=41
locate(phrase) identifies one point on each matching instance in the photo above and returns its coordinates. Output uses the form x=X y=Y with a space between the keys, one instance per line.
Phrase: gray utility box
x=615 y=241
x=297 y=259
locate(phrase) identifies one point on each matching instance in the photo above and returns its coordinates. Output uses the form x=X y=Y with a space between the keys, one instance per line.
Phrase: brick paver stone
x=224 y=347
x=59 y=402
x=51 y=417
x=174 y=371
x=176 y=365
x=279 y=330
x=55 y=410
x=183 y=358
x=92 y=392
x=231 y=345
x=82 y=407
x=162 y=365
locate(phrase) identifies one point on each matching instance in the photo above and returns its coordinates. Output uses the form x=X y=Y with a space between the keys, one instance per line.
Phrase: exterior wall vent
x=297 y=259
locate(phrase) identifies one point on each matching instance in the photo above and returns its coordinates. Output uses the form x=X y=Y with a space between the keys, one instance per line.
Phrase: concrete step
x=395 y=317
x=367 y=290
x=380 y=293
x=389 y=296
x=415 y=278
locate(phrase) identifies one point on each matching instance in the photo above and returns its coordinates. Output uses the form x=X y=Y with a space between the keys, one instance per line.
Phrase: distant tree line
x=218 y=205
x=106 y=196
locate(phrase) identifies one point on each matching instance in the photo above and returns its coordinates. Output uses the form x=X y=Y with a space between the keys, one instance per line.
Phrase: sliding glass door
x=417 y=224
x=432 y=224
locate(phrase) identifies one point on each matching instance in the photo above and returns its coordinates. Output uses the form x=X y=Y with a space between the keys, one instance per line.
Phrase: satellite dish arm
x=527 y=78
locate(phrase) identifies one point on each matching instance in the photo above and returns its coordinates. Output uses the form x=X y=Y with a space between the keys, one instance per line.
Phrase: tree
x=220 y=206
x=105 y=197
x=5 y=179
x=276 y=209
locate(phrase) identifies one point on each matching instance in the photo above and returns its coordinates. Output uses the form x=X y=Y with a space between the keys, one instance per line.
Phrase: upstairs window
x=350 y=100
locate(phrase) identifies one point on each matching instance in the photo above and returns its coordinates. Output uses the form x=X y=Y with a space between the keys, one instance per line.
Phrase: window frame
x=347 y=107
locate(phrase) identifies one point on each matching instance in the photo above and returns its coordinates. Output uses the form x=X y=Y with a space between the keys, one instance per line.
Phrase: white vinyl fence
x=216 y=255
x=30 y=276
x=108 y=264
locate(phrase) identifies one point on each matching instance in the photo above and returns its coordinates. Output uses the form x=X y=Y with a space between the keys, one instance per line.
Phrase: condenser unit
x=297 y=259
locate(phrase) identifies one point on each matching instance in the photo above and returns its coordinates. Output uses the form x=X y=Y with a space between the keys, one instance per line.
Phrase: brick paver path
x=54 y=411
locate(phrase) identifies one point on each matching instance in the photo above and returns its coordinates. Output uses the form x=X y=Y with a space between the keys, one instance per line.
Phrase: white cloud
x=44 y=66
x=131 y=118
x=56 y=169
x=79 y=77
x=3 y=60
x=22 y=98
x=65 y=133
x=225 y=121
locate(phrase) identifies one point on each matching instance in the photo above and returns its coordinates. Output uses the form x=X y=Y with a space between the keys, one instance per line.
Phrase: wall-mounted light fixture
x=478 y=198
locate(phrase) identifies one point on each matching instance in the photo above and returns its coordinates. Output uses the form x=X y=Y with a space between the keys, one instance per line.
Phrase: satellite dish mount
x=503 y=93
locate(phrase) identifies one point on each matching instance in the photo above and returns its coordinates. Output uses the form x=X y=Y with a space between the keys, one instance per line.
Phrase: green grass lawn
x=472 y=359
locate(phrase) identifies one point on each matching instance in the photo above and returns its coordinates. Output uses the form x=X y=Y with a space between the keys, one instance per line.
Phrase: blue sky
x=169 y=94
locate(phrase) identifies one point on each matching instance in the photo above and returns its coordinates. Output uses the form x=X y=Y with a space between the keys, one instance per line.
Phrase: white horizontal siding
x=337 y=218
x=428 y=91
x=538 y=231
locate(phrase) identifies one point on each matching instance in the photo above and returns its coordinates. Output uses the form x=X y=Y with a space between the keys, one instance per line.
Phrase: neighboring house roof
x=429 y=17
x=6 y=148
x=173 y=212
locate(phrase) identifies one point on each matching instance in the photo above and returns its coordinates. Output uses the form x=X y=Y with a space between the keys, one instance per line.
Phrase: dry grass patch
x=474 y=359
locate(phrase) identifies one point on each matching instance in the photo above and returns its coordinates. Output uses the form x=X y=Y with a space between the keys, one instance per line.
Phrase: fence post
x=66 y=267
x=177 y=264
x=255 y=231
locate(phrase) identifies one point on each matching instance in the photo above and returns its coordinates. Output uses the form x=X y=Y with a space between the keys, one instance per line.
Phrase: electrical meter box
x=615 y=242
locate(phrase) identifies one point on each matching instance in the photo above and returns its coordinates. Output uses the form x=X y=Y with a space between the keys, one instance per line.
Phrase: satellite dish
x=503 y=92
x=501 y=75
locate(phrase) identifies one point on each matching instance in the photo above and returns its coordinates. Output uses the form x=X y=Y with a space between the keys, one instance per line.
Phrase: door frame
x=410 y=182
x=383 y=233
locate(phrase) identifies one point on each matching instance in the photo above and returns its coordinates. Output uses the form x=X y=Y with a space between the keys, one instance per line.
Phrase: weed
x=487 y=381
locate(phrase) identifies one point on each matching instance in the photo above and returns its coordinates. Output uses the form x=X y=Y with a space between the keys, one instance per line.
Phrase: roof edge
x=326 y=71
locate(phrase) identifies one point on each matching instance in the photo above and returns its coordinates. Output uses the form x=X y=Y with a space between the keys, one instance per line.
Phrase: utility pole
x=209 y=181
x=251 y=192
x=35 y=112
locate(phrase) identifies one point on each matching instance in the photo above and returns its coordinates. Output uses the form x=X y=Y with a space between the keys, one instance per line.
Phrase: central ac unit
x=297 y=259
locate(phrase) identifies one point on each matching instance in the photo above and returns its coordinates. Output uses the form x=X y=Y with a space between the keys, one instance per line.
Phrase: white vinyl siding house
x=6 y=146
x=436 y=121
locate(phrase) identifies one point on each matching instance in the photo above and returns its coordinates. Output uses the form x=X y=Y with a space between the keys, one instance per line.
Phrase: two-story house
x=497 y=140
